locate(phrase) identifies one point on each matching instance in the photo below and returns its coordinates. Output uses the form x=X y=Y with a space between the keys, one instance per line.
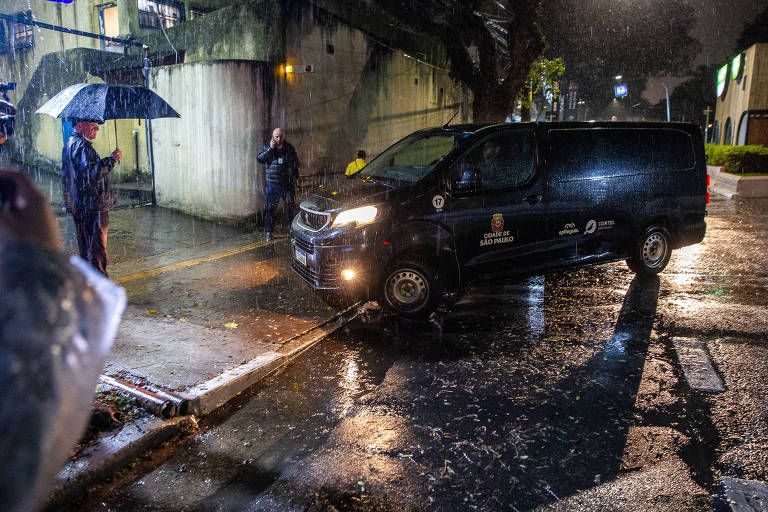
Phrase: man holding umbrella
x=87 y=193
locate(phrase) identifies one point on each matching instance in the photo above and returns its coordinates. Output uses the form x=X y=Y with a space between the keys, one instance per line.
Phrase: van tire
x=652 y=251
x=410 y=289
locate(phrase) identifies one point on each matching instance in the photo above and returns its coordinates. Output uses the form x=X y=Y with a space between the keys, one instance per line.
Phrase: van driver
x=491 y=150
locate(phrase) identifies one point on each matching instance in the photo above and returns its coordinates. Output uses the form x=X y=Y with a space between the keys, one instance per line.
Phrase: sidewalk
x=212 y=309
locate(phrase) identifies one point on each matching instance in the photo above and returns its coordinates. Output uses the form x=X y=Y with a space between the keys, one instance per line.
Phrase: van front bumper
x=326 y=265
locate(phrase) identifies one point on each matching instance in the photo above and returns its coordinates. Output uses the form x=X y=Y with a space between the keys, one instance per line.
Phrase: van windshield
x=410 y=159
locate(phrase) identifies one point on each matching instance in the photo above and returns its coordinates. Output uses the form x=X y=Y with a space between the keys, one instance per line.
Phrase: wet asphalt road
x=561 y=391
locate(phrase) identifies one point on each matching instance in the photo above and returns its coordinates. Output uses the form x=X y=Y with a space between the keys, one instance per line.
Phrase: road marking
x=697 y=366
x=190 y=263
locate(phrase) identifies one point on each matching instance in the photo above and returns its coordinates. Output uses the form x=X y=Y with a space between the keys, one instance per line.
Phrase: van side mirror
x=469 y=181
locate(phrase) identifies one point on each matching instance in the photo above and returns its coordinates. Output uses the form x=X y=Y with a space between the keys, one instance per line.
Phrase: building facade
x=234 y=71
x=741 y=114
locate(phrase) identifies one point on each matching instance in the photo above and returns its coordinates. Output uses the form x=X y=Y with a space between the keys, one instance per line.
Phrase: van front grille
x=304 y=245
x=314 y=220
x=325 y=277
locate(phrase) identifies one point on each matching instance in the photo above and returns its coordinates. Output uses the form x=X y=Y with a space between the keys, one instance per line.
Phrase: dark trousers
x=272 y=195
x=92 y=238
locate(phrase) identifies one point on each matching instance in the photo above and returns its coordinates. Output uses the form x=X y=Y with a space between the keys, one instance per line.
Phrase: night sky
x=718 y=25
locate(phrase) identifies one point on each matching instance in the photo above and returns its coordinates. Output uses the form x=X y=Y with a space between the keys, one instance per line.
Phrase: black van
x=447 y=206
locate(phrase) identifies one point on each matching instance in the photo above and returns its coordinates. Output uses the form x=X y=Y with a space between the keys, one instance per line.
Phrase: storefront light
x=737 y=66
x=722 y=78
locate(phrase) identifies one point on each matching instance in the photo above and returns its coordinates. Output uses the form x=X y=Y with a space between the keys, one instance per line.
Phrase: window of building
x=108 y=25
x=16 y=35
x=4 y=47
x=158 y=14
x=728 y=136
x=197 y=12
x=715 y=136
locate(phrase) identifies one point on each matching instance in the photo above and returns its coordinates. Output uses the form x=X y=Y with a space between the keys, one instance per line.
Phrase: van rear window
x=577 y=154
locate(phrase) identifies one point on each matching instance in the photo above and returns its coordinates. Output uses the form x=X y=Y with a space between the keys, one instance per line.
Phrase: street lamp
x=666 y=91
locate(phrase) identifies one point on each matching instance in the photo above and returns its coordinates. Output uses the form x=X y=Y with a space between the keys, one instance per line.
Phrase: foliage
x=602 y=39
x=543 y=79
x=738 y=159
x=691 y=98
x=491 y=44
x=755 y=31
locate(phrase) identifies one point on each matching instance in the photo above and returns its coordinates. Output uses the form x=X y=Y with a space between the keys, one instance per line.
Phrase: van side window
x=673 y=150
x=500 y=161
x=597 y=153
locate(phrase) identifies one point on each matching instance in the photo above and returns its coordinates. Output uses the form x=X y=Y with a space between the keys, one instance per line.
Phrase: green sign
x=737 y=67
x=722 y=78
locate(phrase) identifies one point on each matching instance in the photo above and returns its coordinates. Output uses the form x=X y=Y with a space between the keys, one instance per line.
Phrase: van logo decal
x=568 y=229
x=438 y=202
x=606 y=224
x=594 y=225
x=497 y=223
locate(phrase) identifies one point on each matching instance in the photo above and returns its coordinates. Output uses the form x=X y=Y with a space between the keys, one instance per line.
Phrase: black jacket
x=281 y=164
x=84 y=177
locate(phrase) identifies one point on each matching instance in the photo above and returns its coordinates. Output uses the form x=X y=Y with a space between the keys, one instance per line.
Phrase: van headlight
x=360 y=216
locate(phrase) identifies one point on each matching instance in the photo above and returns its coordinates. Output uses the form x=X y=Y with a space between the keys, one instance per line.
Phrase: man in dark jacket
x=7 y=115
x=87 y=194
x=281 y=170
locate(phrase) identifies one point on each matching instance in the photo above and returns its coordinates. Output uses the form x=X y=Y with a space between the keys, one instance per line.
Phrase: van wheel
x=652 y=251
x=410 y=289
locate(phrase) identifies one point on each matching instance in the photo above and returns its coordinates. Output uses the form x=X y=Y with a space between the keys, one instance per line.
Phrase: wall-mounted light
x=303 y=68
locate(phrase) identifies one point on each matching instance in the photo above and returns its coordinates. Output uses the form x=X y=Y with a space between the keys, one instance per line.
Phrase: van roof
x=473 y=128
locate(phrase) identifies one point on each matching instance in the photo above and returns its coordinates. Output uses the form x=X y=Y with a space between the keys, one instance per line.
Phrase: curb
x=113 y=453
x=210 y=395
x=103 y=460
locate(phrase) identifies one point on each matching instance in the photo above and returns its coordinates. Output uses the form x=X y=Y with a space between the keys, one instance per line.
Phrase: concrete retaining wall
x=733 y=186
x=205 y=162
x=359 y=95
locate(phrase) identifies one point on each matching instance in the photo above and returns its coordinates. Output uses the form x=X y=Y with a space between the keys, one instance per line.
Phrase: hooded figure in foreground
x=58 y=319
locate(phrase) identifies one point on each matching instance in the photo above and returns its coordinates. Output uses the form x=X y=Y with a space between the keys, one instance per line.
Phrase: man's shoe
x=268 y=236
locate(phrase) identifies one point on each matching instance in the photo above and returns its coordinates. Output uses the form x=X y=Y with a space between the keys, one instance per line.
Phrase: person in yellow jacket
x=356 y=164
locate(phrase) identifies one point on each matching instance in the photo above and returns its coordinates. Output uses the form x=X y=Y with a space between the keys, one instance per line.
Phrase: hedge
x=738 y=159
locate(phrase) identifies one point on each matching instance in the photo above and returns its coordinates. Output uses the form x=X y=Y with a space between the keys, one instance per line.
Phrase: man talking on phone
x=281 y=170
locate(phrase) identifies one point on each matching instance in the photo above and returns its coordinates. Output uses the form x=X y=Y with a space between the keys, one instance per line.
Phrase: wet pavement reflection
x=520 y=395
x=478 y=408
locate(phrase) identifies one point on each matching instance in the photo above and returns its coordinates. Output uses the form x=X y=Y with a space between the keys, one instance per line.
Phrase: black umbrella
x=99 y=102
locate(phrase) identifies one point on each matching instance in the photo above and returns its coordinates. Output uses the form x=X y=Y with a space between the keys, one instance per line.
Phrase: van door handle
x=531 y=199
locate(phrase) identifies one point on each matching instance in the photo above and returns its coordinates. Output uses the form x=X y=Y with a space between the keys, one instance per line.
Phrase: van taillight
x=708 y=182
